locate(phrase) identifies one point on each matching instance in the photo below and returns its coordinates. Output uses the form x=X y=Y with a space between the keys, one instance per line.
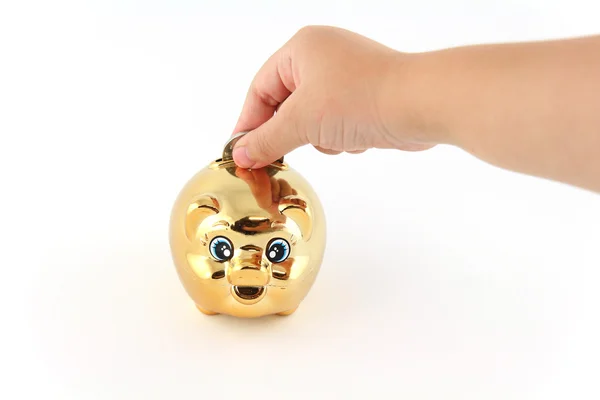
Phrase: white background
x=444 y=277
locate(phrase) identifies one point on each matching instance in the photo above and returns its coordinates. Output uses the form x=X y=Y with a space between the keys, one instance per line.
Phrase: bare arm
x=528 y=107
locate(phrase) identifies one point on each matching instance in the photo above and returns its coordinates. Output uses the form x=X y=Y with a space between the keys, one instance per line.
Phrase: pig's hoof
x=206 y=312
x=288 y=312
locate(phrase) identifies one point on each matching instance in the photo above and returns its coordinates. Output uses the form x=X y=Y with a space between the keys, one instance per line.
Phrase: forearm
x=529 y=107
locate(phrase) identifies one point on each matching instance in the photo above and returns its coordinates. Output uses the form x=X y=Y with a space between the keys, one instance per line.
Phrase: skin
x=532 y=107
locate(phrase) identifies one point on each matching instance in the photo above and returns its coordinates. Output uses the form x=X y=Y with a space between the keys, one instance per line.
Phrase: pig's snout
x=247 y=268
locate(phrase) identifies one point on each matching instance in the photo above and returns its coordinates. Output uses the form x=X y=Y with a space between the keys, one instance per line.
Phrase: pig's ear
x=203 y=206
x=297 y=210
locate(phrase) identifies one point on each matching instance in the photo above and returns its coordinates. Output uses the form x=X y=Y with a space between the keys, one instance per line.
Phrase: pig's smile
x=248 y=294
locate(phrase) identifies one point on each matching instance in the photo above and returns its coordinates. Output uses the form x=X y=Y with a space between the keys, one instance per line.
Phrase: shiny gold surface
x=247 y=243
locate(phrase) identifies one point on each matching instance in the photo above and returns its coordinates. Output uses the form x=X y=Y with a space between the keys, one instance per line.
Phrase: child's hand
x=529 y=107
x=331 y=89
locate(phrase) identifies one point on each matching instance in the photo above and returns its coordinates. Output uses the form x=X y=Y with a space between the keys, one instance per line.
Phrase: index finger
x=272 y=84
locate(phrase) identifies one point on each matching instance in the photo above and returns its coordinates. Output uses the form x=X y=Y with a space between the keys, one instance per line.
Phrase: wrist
x=415 y=98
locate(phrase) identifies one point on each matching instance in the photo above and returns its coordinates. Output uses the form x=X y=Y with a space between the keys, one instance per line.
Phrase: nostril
x=218 y=275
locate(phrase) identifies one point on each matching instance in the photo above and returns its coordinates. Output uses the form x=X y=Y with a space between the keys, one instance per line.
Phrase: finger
x=327 y=151
x=273 y=139
x=262 y=188
x=272 y=84
x=275 y=189
x=356 y=151
x=244 y=175
x=286 y=189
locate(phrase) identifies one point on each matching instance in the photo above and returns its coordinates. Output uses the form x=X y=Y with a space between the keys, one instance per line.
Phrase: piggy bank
x=247 y=243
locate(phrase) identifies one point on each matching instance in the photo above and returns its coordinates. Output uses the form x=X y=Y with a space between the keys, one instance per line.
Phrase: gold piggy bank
x=247 y=243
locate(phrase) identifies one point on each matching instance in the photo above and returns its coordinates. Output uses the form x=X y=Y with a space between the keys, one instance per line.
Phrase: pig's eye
x=221 y=248
x=278 y=250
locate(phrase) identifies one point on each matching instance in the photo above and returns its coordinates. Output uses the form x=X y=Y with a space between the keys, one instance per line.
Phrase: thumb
x=270 y=141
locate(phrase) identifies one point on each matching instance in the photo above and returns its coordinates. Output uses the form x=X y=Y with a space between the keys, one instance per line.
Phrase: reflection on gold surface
x=247 y=242
x=267 y=190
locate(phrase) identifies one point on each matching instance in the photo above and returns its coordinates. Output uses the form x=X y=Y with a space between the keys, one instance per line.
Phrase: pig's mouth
x=248 y=294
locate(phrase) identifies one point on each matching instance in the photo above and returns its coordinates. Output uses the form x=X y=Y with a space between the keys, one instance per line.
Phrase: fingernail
x=241 y=158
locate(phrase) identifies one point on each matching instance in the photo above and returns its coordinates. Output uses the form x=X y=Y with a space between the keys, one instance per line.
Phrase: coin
x=228 y=148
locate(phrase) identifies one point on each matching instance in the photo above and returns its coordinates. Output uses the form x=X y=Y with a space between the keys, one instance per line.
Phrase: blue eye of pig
x=221 y=248
x=278 y=250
